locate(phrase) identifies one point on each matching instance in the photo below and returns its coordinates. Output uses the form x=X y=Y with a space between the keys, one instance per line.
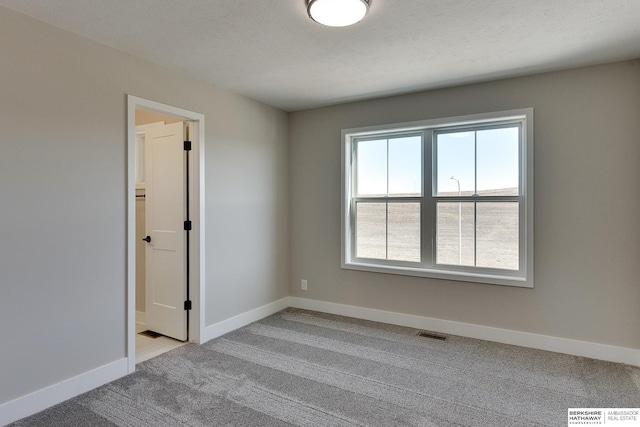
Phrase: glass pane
x=405 y=166
x=372 y=168
x=498 y=161
x=497 y=235
x=371 y=230
x=404 y=232
x=456 y=163
x=454 y=233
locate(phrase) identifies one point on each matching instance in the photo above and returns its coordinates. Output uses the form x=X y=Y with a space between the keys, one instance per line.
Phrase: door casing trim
x=196 y=207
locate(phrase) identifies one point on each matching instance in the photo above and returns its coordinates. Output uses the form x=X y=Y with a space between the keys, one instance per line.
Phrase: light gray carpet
x=310 y=369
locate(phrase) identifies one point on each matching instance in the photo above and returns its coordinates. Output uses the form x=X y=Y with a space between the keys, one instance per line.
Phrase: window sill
x=489 y=279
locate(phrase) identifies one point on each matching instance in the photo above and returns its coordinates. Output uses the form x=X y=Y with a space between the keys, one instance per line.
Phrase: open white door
x=166 y=254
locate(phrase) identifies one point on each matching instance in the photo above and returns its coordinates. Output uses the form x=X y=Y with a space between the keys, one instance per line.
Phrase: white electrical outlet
x=303 y=284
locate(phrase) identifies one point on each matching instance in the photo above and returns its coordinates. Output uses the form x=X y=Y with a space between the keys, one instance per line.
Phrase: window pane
x=405 y=166
x=456 y=159
x=404 y=232
x=371 y=230
x=497 y=235
x=454 y=233
x=372 y=168
x=498 y=161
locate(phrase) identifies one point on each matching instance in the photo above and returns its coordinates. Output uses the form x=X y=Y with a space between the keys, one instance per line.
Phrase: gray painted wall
x=63 y=190
x=63 y=193
x=587 y=242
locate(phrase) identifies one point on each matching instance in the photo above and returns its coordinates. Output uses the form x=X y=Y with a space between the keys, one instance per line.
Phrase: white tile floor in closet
x=148 y=348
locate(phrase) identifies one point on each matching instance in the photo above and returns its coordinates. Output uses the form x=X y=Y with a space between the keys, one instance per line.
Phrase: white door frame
x=196 y=208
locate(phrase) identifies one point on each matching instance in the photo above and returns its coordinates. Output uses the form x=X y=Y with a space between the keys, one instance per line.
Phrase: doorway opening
x=165 y=211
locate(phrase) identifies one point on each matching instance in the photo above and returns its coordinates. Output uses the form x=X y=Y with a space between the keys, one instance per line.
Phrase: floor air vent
x=150 y=334
x=432 y=336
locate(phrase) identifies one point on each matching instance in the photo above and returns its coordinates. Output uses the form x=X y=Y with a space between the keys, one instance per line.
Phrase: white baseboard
x=542 y=342
x=141 y=317
x=243 y=319
x=37 y=401
x=44 y=398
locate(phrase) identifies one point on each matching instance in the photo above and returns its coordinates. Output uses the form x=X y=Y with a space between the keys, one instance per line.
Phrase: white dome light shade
x=337 y=13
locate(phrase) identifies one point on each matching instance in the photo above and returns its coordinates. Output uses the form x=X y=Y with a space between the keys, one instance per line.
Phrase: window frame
x=523 y=277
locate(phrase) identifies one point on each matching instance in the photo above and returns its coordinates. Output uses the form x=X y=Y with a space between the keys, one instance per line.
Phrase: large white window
x=448 y=198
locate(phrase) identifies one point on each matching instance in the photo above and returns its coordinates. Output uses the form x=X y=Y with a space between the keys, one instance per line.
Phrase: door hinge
x=187 y=305
x=187 y=225
x=187 y=146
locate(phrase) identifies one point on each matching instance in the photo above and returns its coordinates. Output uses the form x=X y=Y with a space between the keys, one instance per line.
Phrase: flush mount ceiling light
x=337 y=13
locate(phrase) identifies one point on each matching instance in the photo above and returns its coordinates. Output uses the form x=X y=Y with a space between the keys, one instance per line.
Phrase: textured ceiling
x=271 y=51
